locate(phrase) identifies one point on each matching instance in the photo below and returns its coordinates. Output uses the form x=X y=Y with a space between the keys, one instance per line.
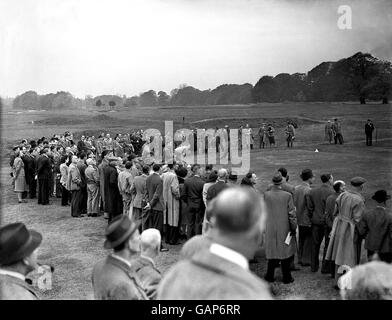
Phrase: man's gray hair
x=150 y=238
x=222 y=173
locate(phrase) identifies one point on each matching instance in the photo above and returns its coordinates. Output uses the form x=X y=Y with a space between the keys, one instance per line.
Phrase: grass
x=73 y=246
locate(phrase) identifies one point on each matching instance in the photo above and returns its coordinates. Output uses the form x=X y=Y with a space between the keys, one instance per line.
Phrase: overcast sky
x=130 y=46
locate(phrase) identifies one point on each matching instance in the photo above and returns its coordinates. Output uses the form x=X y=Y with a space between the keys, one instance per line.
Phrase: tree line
x=360 y=77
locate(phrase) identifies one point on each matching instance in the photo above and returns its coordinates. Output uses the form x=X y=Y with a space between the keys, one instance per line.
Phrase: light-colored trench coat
x=349 y=209
x=171 y=196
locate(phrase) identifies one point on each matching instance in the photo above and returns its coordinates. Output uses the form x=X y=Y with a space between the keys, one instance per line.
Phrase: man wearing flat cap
x=345 y=243
x=18 y=257
x=376 y=227
x=113 y=278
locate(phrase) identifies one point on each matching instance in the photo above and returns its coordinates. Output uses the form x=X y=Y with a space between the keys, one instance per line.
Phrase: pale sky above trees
x=127 y=47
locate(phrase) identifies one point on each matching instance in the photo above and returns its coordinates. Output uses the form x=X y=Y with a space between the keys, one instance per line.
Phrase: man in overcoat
x=345 y=243
x=43 y=176
x=171 y=199
x=280 y=244
x=73 y=185
x=220 y=271
x=376 y=227
x=316 y=210
x=113 y=200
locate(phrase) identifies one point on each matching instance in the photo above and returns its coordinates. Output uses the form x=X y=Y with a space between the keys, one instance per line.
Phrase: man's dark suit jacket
x=43 y=167
x=29 y=166
x=215 y=189
x=154 y=185
x=193 y=189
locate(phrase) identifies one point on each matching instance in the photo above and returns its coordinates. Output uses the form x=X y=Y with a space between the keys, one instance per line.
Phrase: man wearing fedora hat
x=281 y=224
x=376 y=227
x=18 y=257
x=114 y=278
x=344 y=244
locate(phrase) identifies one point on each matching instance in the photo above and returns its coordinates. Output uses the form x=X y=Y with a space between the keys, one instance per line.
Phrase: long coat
x=112 y=279
x=281 y=219
x=101 y=168
x=74 y=179
x=376 y=225
x=19 y=175
x=348 y=210
x=171 y=196
x=207 y=276
x=113 y=200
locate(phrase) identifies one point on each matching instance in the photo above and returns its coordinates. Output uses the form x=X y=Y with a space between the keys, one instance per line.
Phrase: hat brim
x=377 y=199
x=25 y=251
x=110 y=245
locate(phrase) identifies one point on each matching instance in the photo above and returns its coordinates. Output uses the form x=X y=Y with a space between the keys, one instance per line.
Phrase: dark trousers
x=43 y=191
x=386 y=257
x=33 y=188
x=51 y=183
x=285 y=265
x=338 y=137
x=369 y=139
x=195 y=219
x=76 y=196
x=143 y=216
x=172 y=235
x=83 y=200
x=65 y=195
x=155 y=220
x=319 y=232
x=304 y=244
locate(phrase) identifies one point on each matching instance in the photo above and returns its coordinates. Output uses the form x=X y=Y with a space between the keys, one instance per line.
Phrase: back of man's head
x=146 y=169
x=128 y=165
x=283 y=171
x=236 y=210
x=150 y=242
x=222 y=173
x=156 y=167
x=325 y=177
x=104 y=153
x=238 y=218
x=195 y=168
x=209 y=167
